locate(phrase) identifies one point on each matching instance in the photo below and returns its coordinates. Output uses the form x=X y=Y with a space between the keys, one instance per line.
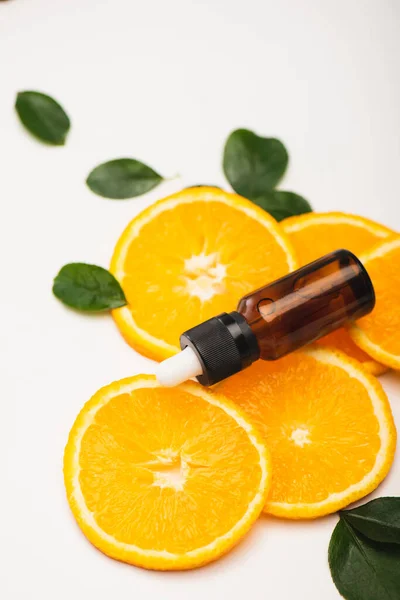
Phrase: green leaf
x=361 y=568
x=378 y=520
x=122 y=178
x=252 y=164
x=43 y=117
x=283 y=204
x=88 y=287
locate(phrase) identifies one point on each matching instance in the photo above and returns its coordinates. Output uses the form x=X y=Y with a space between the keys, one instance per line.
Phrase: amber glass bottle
x=308 y=304
x=274 y=320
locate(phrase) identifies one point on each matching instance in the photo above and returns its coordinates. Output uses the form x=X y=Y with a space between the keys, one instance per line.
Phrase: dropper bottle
x=274 y=320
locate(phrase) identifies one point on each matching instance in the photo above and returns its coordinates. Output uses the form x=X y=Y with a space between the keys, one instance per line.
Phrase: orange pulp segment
x=379 y=332
x=328 y=425
x=164 y=478
x=190 y=257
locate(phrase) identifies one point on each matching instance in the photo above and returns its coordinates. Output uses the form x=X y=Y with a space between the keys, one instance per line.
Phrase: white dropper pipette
x=179 y=368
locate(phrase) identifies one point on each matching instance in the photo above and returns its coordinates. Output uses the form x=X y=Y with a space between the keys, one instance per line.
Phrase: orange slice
x=190 y=257
x=164 y=479
x=316 y=234
x=328 y=425
x=379 y=332
x=341 y=340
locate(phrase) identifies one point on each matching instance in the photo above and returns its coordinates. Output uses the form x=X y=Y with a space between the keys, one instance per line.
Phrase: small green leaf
x=88 y=287
x=283 y=204
x=122 y=178
x=43 y=117
x=252 y=164
x=378 y=520
x=363 y=569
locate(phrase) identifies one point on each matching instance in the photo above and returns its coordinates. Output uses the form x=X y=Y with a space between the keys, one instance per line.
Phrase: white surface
x=164 y=81
x=178 y=368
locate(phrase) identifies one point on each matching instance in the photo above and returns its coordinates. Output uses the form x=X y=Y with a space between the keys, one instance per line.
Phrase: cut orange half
x=316 y=234
x=164 y=478
x=190 y=257
x=328 y=425
x=379 y=332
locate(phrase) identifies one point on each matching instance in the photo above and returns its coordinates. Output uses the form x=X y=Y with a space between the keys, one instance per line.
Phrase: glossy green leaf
x=378 y=520
x=283 y=204
x=252 y=164
x=361 y=568
x=88 y=287
x=43 y=117
x=122 y=178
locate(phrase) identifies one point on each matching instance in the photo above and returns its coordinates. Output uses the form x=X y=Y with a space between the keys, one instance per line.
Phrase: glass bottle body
x=308 y=303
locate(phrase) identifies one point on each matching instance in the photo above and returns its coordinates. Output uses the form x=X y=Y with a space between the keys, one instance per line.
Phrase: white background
x=164 y=81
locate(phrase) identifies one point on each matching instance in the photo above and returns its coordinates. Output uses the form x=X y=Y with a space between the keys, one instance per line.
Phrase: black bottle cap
x=224 y=345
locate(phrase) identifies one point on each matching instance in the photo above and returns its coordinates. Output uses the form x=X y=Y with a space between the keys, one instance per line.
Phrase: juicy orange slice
x=327 y=423
x=379 y=332
x=164 y=479
x=190 y=257
x=316 y=234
